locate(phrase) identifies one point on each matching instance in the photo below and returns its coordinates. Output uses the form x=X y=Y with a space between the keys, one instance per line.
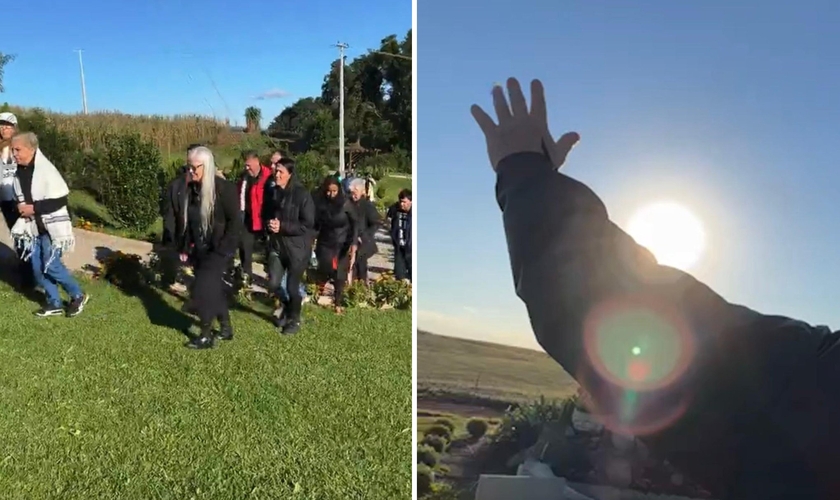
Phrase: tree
x=377 y=104
x=253 y=115
x=4 y=60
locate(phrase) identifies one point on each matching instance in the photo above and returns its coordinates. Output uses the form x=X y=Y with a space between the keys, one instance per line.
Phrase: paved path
x=92 y=246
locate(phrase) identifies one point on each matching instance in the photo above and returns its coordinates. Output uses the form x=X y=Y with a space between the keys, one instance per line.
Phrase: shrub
x=523 y=424
x=310 y=169
x=387 y=290
x=427 y=455
x=380 y=165
x=356 y=294
x=477 y=427
x=381 y=192
x=446 y=423
x=435 y=441
x=130 y=176
x=126 y=271
x=59 y=147
x=425 y=478
x=439 y=430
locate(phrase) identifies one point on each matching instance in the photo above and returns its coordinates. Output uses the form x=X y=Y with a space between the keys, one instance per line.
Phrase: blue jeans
x=283 y=292
x=56 y=274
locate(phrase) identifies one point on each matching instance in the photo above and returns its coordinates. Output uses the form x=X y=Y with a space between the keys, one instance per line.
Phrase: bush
x=523 y=424
x=126 y=271
x=427 y=455
x=310 y=169
x=380 y=165
x=388 y=291
x=436 y=442
x=357 y=294
x=477 y=427
x=446 y=423
x=59 y=147
x=439 y=430
x=425 y=478
x=130 y=176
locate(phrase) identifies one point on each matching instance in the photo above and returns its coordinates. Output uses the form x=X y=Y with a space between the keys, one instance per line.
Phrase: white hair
x=208 y=186
x=357 y=183
x=28 y=138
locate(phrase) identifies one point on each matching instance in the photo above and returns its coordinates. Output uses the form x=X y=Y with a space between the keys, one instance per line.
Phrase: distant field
x=504 y=373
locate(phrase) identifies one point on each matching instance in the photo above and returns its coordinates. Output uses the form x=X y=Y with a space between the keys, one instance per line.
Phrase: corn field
x=169 y=133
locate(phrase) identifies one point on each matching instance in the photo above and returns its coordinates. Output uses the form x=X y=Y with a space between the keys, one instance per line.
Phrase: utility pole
x=84 y=91
x=341 y=48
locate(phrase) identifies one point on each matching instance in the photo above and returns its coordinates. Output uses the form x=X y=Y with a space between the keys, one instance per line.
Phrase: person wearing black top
x=205 y=224
x=368 y=223
x=170 y=198
x=400 y=215
x=335 y=250
x=747 y=409
x=289 y=216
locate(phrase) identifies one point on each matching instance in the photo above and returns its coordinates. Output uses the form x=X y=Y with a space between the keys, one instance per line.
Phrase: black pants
x=246 y=251
x=333 y=264
x=11 y=215
x=402 y=263
x=278 y=265
x=208 y=298
x=360 y=268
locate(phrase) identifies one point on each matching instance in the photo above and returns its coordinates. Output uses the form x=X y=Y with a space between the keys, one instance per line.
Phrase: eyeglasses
x=193 y=169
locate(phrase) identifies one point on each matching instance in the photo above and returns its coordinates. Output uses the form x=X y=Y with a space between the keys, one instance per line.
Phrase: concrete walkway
x=90 y=245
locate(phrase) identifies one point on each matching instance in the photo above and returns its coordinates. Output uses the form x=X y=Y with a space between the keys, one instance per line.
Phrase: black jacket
x=715 y=417
x=335 y=223
x=368 y=223
x=394 y=214
x=227 y=221
x=294 y=208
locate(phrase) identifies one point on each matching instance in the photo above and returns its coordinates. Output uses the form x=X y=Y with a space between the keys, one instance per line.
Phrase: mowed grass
x=488 y=370
x=111 y=405
x=392 y=186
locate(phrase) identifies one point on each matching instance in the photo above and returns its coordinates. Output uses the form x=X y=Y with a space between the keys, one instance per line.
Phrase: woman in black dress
x=206 y=223
x=368 y=223
x=335 y=222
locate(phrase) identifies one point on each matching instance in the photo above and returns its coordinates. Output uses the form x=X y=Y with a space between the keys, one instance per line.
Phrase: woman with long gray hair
x=206 y=224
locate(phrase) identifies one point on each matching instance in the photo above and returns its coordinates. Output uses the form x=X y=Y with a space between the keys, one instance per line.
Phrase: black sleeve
x=372 y=220
x=50 y=205
x=575 y=270
x=233 y=220
x=306 y=217
x=267 y=208
x=355 y=227
x=168 y=237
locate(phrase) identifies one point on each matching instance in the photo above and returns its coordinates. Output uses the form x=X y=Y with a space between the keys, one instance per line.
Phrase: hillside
x=495 y=371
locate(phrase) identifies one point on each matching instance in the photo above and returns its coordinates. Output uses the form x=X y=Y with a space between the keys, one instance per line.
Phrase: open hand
x=519 y=130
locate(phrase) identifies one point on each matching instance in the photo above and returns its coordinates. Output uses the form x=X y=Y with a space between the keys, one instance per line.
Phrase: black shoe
x=202 y=342
x=77 y=305
x=225 y=332
x=48 y=311
x=291 y=327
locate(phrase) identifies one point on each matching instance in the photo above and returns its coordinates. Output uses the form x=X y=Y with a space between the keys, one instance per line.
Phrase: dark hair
x=289 y=164
x=330 y=181
x=247 y=155
x=194 y=146
x=405 y=194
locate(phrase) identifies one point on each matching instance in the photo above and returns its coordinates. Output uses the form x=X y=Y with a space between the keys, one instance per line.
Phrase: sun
x=671 y=232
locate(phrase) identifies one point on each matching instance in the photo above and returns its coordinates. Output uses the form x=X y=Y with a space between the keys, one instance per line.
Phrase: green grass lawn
x=493 y=371
x=110 y=405
x=393 y=186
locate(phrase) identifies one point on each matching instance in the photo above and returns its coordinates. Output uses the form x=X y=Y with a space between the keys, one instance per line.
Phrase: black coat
x=368 y=223
x=227 y=220
x=295 y=209
x=335 y=223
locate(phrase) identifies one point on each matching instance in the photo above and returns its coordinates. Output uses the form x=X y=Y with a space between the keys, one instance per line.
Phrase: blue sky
x=730 y=108
x=154 y=56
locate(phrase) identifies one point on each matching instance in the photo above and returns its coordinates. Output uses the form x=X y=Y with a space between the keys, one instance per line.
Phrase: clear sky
x=159 y=56
x=730 y=108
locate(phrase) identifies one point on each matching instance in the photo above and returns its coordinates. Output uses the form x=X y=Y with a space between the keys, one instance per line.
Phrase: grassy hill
x=486 y=370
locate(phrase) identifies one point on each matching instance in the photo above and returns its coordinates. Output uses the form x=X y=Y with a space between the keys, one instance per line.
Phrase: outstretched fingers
x=488 y=126
x=500 y=104
x=538 y=110
x=517 y=98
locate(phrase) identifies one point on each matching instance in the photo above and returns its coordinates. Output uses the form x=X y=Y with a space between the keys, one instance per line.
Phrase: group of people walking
x=208 y=220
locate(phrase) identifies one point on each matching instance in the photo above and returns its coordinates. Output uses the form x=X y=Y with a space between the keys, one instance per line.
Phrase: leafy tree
x=253 y=115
